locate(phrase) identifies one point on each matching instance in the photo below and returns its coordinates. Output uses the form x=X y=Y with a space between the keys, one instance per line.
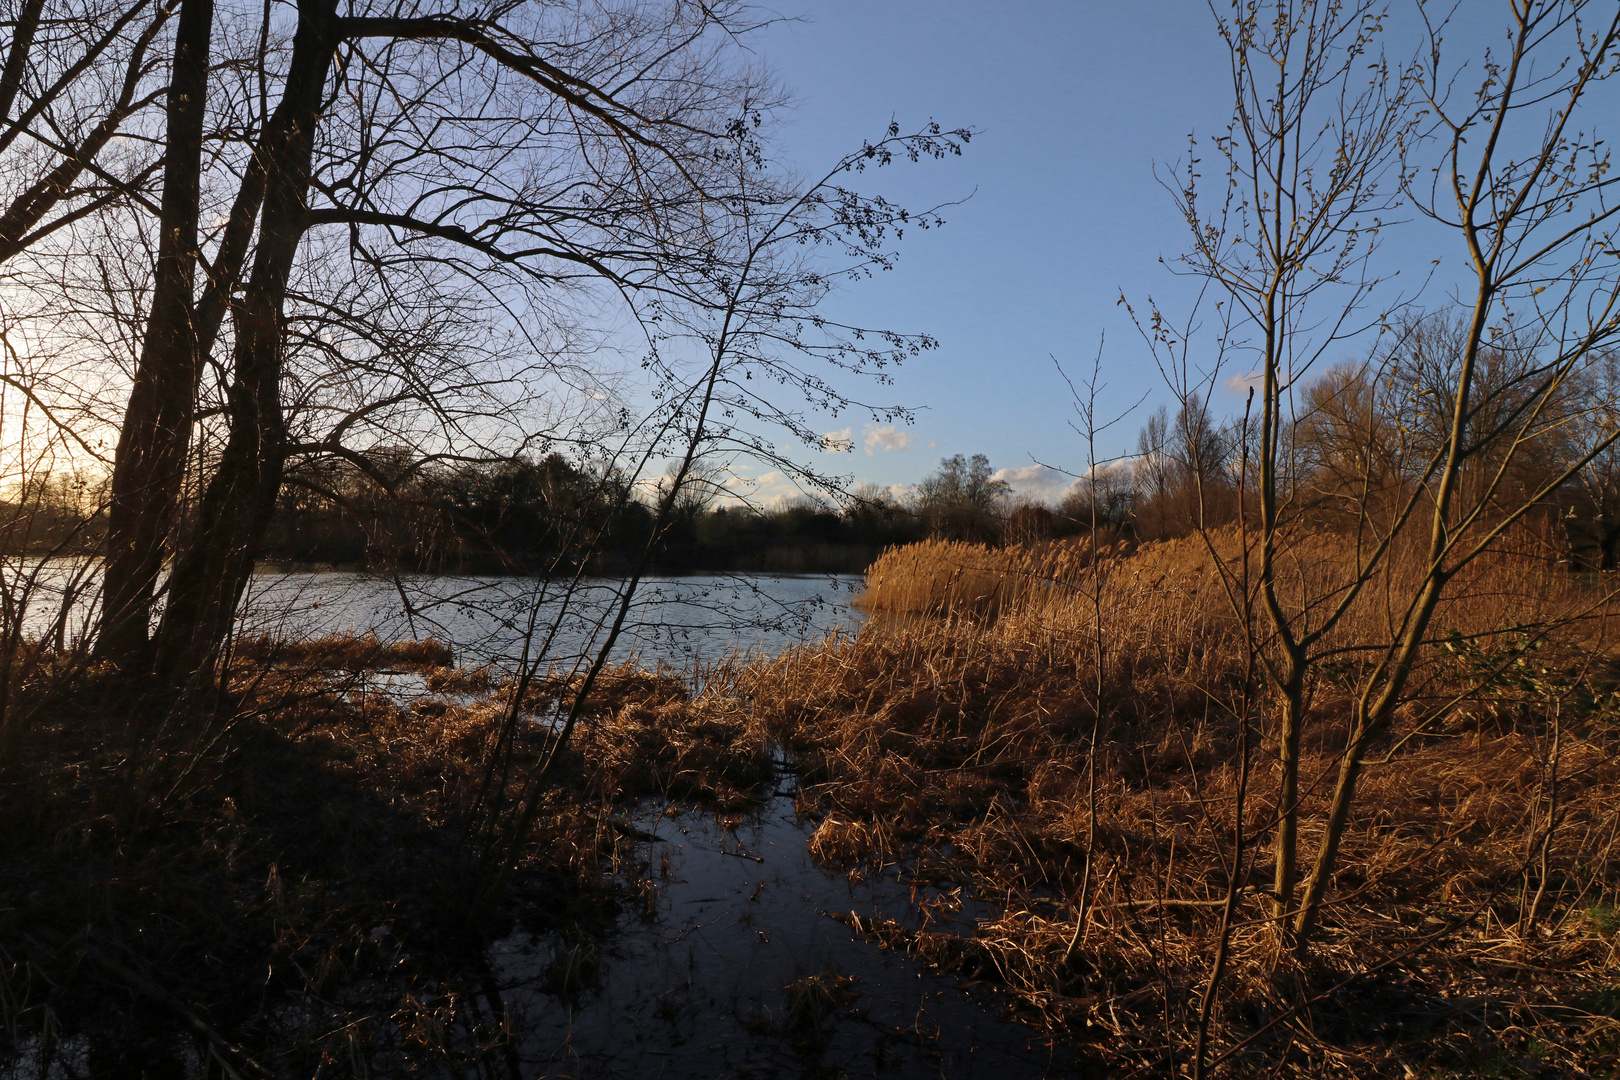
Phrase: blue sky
x=1074 y=103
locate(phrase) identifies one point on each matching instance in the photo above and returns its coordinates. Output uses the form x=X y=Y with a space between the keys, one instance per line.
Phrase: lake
x=675 y=621
x=500 y=620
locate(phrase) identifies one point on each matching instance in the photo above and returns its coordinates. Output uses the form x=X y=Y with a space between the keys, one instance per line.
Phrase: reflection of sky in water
x=695 y=987
x=672 y=620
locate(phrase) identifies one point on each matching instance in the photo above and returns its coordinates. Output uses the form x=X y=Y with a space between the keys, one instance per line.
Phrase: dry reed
x=953 y=734
x=344 y=651
x=307 y=847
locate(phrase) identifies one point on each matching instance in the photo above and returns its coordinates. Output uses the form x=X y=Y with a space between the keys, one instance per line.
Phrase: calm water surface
x=698 y=987
x=673 y=620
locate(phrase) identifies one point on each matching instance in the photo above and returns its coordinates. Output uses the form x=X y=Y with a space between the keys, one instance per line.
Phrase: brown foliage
x=344 y=651
x=958 y=747
x=306 y=845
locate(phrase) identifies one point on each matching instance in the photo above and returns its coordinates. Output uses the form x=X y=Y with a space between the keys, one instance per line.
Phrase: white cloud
x=768 y=490
x=1242 y=384
x=1051 y=486
x=886 y=439
x=1121 y=468
x=839 y=442
x=1036 y=482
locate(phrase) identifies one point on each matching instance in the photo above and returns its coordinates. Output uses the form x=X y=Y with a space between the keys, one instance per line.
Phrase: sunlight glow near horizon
x=1075 y=103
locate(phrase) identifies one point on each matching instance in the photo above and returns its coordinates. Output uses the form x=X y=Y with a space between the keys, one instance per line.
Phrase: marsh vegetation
x=1071 y=832
x=1121 y=808
x=1285 y=746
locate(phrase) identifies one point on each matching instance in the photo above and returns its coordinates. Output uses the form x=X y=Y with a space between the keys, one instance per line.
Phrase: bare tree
x=757 y=322
x=151 y=457
x=617 y=176
x=74 y=78
x=961 y=499
x=1532 y=223
x=1455 y=431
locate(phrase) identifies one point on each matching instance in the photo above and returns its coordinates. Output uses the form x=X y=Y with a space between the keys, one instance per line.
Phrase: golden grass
x=952 y=577
x=344 y=651
x=953 y=735
x=651 y=736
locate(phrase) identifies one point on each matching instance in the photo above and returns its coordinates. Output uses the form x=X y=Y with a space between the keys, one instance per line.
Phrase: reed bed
x=1471 y=929
x=971 y=736
x=290 y=879
x=343 y=651
x=955 y=578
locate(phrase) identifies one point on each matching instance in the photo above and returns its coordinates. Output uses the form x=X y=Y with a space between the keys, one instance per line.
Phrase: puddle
x=697 y=990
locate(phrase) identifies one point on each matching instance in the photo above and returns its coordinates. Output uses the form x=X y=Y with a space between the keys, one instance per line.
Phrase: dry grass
x=615 y=687
x=952 y=577
x=960 y=748
x=306 y=846
x=709 y=751
x=343 y=652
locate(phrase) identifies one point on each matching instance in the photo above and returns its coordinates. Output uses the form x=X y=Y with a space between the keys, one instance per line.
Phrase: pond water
x=710 y=983
x=672 y=621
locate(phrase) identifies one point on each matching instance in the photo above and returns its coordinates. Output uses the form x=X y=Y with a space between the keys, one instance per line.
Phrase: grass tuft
x=953 y=736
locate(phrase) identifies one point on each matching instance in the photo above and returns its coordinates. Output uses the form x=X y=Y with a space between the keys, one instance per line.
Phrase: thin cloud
x=1037 y=482
x=839 y=442
x=1242 y=384
x=885 y=439
x=768 y=490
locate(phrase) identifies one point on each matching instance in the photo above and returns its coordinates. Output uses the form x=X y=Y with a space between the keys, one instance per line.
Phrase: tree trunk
x=1327 y=856
x=1286 y=848
x=211 y=574
x=1372 y=714
x=156 y=434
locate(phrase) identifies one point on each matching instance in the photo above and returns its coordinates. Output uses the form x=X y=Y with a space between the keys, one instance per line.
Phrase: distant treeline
x=549 y=515
x=1361 y=447
x=1364 y=441
x=521 y=515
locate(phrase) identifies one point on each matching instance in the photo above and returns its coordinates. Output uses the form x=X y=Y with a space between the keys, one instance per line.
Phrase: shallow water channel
x=698 y=986
x=700 y=989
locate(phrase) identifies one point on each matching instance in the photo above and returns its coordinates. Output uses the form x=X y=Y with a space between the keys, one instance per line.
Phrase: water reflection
x=494 y=619
x=672 y=621
x=710 y=983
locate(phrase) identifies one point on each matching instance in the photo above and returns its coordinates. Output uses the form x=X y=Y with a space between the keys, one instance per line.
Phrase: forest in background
x=1355 y=438
x=1300 y=761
